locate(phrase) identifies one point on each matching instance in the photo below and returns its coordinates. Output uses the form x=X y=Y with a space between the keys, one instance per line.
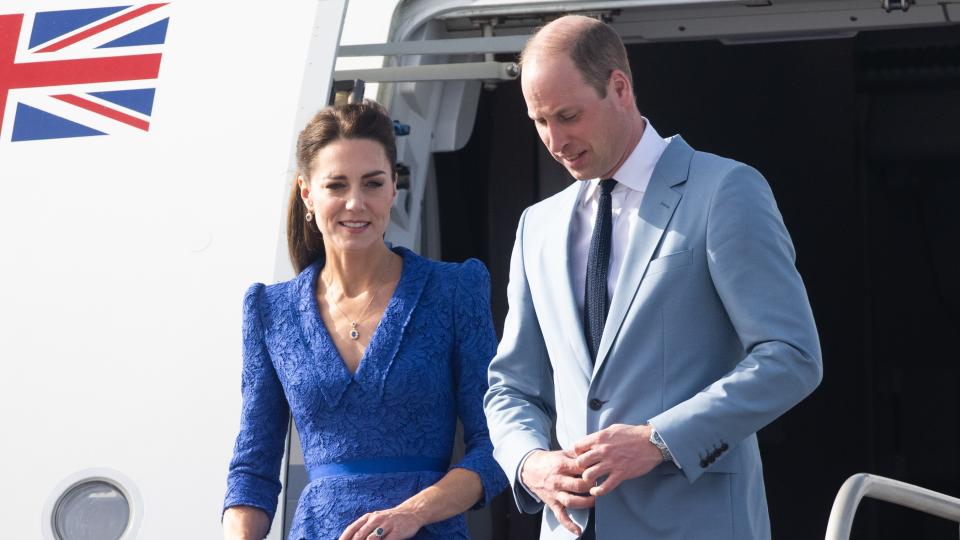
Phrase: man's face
x=587 y=134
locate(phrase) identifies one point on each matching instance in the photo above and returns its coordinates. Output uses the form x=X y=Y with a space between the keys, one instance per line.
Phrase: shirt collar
x=636 y=171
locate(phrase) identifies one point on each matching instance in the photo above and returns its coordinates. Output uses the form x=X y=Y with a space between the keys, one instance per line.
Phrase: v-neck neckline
x=374 y=337
x=324 y=359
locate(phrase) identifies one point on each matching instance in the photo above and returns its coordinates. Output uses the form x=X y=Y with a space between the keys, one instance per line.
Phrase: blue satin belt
x=378 y=466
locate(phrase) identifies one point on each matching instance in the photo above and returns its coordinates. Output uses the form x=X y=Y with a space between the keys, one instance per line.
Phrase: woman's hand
x=453 y=494
x=245 y=523
x=397 y=523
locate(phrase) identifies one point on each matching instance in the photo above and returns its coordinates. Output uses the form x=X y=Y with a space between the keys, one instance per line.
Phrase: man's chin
x=579 y=174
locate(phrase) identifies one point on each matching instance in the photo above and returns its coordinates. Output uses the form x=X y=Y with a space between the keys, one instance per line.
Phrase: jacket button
x=596 y=404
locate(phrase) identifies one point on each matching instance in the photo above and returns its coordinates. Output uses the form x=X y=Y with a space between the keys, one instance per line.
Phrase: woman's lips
x=355 y=226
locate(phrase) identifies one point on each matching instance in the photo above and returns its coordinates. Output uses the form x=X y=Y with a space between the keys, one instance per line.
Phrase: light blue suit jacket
x=709 y=338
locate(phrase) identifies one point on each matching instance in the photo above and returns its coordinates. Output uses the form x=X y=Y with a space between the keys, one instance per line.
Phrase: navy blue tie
x=596 y=303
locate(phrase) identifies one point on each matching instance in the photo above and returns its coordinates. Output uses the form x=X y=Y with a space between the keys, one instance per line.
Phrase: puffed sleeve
x=476 y=343
x=254 y=474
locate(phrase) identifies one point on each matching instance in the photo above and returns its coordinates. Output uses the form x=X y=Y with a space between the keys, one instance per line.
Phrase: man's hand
x=555 y=478
x=619 y=452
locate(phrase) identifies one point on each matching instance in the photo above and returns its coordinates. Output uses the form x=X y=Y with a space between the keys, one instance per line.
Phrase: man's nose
x=556 y=139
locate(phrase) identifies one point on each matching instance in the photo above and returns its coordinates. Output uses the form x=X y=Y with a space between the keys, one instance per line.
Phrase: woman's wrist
x=245 y=523
x=418 y=509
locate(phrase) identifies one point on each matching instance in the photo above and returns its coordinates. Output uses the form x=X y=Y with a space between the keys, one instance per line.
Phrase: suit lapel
x=656 y=208
x=557 y=257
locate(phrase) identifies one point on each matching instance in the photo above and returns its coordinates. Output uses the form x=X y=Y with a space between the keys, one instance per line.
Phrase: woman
x=375 y=352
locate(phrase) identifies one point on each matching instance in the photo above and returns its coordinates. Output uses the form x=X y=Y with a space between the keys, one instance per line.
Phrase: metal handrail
x=863 y=485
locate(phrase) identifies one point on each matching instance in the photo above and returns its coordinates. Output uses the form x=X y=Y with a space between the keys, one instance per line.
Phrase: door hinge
x=896 y=5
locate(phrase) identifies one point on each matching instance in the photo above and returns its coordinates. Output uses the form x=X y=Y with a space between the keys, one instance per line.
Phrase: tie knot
x=607 y=185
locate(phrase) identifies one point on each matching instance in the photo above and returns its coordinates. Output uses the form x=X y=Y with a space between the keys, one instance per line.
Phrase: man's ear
x=621 y=85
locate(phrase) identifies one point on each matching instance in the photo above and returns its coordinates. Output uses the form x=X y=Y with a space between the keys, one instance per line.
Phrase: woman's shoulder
x=470 y=270
x=277 y=297
x=260 y=293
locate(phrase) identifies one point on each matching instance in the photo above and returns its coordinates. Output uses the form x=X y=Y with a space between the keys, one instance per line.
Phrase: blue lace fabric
x=425 y=366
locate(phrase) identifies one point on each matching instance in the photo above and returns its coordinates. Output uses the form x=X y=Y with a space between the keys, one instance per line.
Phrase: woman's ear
x=304 y=189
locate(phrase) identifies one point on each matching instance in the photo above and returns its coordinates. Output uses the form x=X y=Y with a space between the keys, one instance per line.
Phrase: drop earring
x=309 y=216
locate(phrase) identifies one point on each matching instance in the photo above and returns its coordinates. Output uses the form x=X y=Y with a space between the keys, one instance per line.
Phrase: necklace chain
x=354 y=330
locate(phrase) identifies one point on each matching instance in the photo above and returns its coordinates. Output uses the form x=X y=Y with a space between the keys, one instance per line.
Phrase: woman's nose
x=355 y=200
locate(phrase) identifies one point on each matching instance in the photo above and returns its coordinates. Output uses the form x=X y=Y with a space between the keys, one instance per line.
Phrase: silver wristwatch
x=657 y=441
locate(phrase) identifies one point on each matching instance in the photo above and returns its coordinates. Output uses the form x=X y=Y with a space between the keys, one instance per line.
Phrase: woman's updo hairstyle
x=365 y=120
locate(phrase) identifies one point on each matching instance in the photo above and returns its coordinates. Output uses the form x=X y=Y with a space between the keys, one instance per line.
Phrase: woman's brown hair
x=365 y=120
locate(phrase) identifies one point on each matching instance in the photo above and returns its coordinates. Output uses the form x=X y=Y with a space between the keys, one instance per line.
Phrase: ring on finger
x=378 y=532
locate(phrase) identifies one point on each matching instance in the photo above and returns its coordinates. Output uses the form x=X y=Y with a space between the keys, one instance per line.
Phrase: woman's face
x=350 y=191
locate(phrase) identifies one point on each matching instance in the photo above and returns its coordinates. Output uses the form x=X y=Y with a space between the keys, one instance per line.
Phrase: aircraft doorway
x=858 y=138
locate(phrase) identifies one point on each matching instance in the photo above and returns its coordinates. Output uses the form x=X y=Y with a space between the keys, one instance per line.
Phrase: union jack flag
x=79 y=72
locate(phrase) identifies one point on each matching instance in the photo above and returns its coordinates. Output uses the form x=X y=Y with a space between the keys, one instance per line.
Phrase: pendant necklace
x=354 y=324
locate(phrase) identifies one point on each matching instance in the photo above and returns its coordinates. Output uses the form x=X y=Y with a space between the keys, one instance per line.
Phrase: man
x=656 y=320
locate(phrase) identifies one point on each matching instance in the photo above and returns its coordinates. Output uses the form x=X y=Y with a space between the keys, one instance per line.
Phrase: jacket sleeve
x=519 y=403
x=751 y=262
x=254 y=473
x=476 y=342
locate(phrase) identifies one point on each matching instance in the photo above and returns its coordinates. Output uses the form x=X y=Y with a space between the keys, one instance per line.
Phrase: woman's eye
x=335 y=186
x=373 y=184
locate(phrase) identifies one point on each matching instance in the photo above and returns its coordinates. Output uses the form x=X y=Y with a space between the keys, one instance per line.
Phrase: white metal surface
x=498 y=44
x=125 y=261
x=511 y=7
x=863 y=485
x=658 y=20
x=434 y=72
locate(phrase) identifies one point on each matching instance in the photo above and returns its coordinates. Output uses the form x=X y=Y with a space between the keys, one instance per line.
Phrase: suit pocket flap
x=669 y=262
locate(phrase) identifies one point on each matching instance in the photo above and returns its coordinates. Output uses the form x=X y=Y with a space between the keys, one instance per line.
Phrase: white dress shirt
x=632 y=180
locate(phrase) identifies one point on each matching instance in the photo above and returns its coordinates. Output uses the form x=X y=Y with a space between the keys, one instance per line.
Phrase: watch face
x=662 y=446
x=656 y=440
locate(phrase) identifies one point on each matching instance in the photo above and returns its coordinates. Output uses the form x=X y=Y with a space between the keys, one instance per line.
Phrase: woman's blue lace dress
x=425 y=366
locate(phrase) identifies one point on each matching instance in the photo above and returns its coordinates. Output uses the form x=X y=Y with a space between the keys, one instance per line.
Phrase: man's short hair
x=594 y=47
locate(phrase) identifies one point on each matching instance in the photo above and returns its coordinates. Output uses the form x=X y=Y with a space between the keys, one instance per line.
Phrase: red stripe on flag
x=88 y=70
x=100 y=27
x=105 y=111
x=9 y=36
